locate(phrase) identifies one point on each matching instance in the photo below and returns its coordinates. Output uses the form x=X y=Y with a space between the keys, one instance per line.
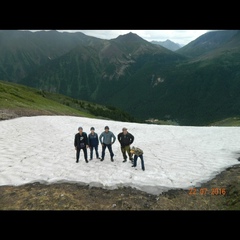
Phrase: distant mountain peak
x=169 y=41
x=129 y=37
x=168 y=44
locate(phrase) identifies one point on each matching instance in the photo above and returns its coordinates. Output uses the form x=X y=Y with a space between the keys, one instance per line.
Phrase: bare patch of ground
x=6 y=114
x=221 y=193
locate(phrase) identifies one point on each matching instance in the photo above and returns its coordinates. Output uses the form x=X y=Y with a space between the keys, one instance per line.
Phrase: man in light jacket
x=107 y=138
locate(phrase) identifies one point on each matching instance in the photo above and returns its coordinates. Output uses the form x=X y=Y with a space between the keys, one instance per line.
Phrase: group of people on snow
x=83 y=141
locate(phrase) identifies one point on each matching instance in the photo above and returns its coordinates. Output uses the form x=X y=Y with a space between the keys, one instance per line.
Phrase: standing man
x=107 y=138
x=93 y=142
x=125 y=139
x=81 y=143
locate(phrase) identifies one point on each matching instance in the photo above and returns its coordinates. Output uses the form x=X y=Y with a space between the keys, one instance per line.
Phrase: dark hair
x=106 y=127
x=92 y=128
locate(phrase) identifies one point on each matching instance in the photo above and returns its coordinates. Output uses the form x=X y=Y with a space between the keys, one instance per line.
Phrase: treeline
x=100 y=111
x=113 y=113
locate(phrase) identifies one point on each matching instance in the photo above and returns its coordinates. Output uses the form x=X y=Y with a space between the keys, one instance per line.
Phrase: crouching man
x=137 y=152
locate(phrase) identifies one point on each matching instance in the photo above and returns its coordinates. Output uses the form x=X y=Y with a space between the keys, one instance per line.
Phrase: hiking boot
x=77 y=161
x=90 y=159
x=101 y=159
x=124 y=160
x=131 y=159
x=86 y=161
x=112 y=159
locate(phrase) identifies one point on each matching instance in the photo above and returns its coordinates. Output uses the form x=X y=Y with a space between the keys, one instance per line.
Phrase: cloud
x=177 y=36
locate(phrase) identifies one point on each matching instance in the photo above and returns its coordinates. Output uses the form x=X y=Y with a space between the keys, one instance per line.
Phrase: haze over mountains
x=196 y=84
x=168 y=44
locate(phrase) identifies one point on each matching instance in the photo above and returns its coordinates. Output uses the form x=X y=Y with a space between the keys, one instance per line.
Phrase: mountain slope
x=97 y=72
x=195 y=86
x=19 y=100
x=207 y=43
x=22 y=52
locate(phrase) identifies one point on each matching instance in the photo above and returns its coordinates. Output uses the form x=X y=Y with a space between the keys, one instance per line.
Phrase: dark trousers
x=109 y=146
x=78 y=153
x=135 y=161
x=96 y=151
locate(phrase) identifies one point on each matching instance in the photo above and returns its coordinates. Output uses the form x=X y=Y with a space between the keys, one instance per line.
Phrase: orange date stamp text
x=207 y=191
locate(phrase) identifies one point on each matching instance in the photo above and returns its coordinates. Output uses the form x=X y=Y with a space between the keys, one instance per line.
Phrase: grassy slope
x=18 y=97
x=235 y=121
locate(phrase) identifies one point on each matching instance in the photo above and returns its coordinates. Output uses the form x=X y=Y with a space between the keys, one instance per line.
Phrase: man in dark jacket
x=125 y=139
x=81 y=142
x=93 y=142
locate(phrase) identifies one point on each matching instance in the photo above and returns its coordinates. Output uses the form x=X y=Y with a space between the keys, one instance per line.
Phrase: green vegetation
x=16 y=97
x=22 y=99
x=195 y=86
x=235 y=121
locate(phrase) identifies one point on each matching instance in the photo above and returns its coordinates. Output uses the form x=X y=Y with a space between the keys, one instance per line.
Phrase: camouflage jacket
x=138 y=151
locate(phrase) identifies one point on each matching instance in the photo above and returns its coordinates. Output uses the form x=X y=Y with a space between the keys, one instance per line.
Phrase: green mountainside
x=25 y=101
x=197 y=84
x=208 y=43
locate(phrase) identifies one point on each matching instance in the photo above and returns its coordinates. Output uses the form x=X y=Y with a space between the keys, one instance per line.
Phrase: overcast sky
x=182 y=37
x=177 y=36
